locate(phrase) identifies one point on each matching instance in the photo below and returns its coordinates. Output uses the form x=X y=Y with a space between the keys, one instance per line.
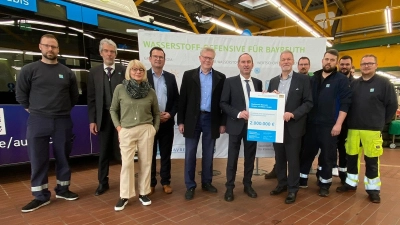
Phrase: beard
x=303 y=71
x=53 y=57
x=345 y=72
x=328 y=70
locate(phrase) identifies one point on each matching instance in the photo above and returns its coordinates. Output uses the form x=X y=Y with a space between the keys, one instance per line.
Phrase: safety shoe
x=68 y=195
x=375 y=198
x=145 y=200
x=345 y=188
x=303 y=183
x=323 y=192
x=33 y=205
x=121 y=204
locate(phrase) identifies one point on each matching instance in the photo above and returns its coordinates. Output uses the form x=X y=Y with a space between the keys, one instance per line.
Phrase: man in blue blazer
x=164 y=83
x=235 y=103
x=297 y=90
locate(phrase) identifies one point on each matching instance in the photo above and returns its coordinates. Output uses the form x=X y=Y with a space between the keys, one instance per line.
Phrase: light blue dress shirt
x=206 y=89
x=161 y=90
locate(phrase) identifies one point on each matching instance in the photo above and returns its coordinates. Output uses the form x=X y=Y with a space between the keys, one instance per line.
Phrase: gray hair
x=109 y=42
x=287 y=51
x=207 y=49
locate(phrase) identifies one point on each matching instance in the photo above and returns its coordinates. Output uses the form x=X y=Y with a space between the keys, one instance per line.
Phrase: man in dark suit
x=235 y=103
x=296 y=88
x=102 y=81
x=164 y=83
x=200 y=113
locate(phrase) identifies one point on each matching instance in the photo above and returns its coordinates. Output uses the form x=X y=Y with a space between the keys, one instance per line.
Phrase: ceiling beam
x=341 y=6
x=138 y=2
x=179 y=4
x=305 y=17
x=238 y=11
x=328 y=22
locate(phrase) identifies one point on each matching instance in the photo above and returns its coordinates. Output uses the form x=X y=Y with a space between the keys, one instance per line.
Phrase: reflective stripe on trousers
x=39 y=188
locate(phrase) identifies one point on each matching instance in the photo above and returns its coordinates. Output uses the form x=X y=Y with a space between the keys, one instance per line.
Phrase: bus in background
x=79 y=26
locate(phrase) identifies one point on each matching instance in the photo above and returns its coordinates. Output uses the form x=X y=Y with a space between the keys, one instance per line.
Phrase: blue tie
x=248 y=88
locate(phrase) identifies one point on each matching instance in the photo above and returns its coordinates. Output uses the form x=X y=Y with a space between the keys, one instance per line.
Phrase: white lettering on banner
x=184 y=50
x=23 y=2
x=2 y=122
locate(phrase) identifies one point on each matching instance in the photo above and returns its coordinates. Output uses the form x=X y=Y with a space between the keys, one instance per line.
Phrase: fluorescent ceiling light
x=2 y=59
x=11 y=51
x=225 y=25
x=296 y=19
x=74 y=57
x=16 y=67
x=254 y=4
x=81 y=31
x=132 y=30
x=72 y=34
x=388 y=19
x=151 y=1
x=172 y=27
x=41 y=23
x=328 y=44
x=80 y=70
x=33 y=53
x=51 y=31
x=126 y=50
x=8 y=22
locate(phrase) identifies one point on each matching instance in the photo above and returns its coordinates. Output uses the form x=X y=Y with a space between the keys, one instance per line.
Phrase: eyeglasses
x=136 y=69
x=49 y=46
x=109 y=51
x=304 y=64
x=367 y=64
x=158 y=57
x=207 y=58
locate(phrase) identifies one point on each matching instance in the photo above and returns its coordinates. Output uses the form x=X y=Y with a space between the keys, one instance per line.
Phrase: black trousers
x=250 y=148
x=342 y=153
x=109 y=146
x=287 y=159
x=319 y=137
x=163 y=141
x=38 y=134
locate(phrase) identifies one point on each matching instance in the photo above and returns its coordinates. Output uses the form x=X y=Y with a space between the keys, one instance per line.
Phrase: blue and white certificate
x=266 y=122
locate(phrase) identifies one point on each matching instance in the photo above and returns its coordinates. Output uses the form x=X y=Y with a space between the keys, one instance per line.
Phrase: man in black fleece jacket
x=332 y=97
x=374 y=104
x=48 y=91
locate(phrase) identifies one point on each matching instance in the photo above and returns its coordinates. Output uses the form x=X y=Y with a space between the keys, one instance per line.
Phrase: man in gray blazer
x=296 y=88
x=102 y=81
x=235 y=103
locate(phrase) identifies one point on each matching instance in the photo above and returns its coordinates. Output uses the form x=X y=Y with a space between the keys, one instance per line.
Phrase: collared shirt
x=252 y=89
x=161 y=90
x=112 y=68
x=284 y=84
x=206 y=89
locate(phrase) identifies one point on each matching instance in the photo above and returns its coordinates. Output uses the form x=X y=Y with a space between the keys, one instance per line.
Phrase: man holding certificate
x=296 y=88
x=235 y=103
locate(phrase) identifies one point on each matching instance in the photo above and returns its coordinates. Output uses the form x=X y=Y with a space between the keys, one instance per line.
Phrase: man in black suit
x=102 y=81
x=296 y=88
x=200 y=113
x=164 y=83
x=235 y=103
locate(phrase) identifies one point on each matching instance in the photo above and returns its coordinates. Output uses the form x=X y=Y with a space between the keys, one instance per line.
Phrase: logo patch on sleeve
x=60 y=76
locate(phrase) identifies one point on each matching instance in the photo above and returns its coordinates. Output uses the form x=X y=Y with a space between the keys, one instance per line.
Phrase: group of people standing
x=134 y=108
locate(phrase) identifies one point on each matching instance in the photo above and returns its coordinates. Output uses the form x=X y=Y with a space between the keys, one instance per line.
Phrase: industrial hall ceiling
x=353 y=19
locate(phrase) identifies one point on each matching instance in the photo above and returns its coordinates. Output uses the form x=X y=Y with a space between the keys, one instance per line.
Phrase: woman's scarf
x=136 y=90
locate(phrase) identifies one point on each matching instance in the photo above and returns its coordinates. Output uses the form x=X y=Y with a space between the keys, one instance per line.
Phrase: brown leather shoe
x=152 y=190
x=167 y=189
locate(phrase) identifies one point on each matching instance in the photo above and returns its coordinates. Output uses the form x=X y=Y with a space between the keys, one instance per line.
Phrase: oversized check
x=266 y=122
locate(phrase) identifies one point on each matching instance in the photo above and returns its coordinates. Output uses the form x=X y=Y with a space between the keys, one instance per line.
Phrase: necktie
x=248 y=88
x=109 y=72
